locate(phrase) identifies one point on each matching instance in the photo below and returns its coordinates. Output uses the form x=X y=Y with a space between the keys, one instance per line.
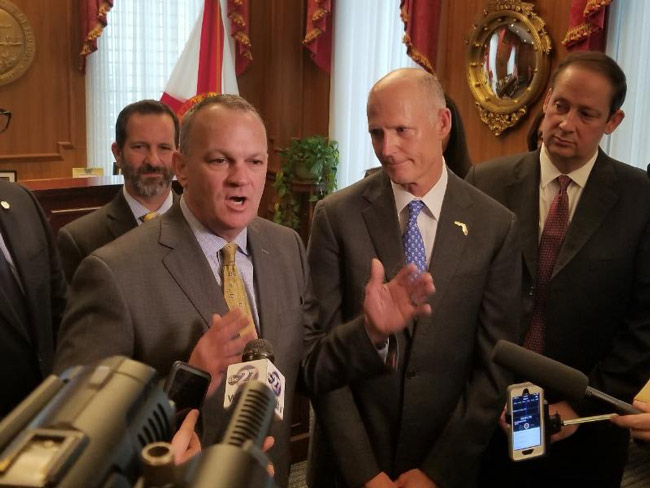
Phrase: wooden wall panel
x=46 y=137
x=456 y=25
x=290 y=91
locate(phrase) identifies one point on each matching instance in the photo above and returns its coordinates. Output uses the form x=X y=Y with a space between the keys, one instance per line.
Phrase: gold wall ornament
x=17 y=45
x=508 y=59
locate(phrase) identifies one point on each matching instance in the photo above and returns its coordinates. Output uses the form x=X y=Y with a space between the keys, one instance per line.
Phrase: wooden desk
x=67 y=199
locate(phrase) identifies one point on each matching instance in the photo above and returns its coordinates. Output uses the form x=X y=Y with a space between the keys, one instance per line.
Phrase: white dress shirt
x=549 y=187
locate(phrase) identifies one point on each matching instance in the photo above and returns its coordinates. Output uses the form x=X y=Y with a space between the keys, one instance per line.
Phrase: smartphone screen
x=526 y=421
x=186 y=387
x=526 y=408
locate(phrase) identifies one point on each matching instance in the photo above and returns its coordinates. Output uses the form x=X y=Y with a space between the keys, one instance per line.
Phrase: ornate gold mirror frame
x=507 y=62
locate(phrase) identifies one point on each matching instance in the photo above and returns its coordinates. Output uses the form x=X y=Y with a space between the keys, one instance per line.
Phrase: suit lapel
x=265 y=269
x=450 y=242
x=598 y=197
x=381 y=221
x=188 y=266
x=120 y=217
x=522 y=196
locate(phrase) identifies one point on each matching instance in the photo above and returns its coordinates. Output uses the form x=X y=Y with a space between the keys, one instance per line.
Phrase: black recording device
x=186 y=386
x=566 y=382
x=85 y=428
x=88 y=428
x=237 y=462
x=527 y=411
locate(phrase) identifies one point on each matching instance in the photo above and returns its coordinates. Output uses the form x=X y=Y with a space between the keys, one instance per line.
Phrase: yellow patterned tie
x=233 y=286
x=149 y=216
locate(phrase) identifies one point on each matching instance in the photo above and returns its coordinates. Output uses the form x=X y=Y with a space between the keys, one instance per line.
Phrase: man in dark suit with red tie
x=585 y=232
x=32 y=293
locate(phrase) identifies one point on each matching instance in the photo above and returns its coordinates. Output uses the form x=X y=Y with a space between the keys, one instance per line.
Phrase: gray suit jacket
x=82 y=236
x=27 y=350
x=439 y=410
x=150 y=294
x=597 y=316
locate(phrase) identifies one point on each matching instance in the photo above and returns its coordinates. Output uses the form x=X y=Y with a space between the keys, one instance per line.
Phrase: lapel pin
x=5 y=205
x=462 y=226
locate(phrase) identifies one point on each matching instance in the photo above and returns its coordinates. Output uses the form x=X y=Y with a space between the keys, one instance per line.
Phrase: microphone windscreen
x=252 y=416
x=545 y=372
x=258 y=349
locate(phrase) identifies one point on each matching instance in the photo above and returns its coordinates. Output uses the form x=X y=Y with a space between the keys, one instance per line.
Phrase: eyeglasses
x=5 y=117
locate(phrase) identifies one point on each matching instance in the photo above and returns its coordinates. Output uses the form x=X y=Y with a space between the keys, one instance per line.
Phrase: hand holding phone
x=527 y=433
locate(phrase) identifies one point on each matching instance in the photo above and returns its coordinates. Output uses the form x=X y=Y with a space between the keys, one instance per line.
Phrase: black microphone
x=237 y=462
x=553 y=375
x=258 y=349
x=252 y=416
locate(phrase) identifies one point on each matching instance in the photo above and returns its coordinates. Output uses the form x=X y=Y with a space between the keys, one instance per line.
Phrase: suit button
x=410 y=374
x=531 y=291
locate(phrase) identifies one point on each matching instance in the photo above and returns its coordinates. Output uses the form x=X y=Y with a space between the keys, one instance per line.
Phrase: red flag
x=421 y=20
x=206 y=65
x=318 y=32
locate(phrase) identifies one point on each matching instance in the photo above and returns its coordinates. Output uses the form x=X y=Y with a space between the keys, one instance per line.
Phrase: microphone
x=252 y=416
x=257 y=364
x=237 y=462
x=553 y=375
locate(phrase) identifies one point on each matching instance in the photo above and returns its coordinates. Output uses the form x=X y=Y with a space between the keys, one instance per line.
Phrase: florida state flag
x=206 y=65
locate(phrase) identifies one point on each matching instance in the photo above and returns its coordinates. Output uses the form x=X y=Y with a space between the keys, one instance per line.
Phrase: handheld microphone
x=237 y=462
x=257 y=365
x=553 y=375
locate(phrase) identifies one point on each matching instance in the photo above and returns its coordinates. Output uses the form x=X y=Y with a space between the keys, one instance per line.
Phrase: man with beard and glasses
x=146 y=136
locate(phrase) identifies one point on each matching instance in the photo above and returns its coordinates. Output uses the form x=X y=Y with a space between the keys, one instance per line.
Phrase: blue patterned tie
x=413 y=243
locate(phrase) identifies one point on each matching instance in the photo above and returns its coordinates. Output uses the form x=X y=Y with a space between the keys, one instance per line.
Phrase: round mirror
x=508 y=62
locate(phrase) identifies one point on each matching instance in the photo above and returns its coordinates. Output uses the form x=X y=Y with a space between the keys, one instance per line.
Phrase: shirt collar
x=548 y=171
x=432 y=199
x=138 y=210
x=208 y=240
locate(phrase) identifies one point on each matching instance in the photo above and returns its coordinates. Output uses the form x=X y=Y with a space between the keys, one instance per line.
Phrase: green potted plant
x=313 y=160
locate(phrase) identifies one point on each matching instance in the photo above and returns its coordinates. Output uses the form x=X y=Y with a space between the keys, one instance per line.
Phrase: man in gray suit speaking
x=427 y=424
x=157 y=293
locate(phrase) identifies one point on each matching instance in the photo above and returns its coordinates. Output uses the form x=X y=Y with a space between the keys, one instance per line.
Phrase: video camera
x=108 y=426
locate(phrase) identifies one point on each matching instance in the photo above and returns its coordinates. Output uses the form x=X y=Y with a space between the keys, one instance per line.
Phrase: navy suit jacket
x=26 y=350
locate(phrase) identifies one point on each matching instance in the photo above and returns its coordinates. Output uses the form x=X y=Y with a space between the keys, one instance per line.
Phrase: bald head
x=426 y=84
x=407 y=121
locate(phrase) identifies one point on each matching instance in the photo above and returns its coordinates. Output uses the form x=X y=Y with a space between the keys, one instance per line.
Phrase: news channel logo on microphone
x=262 y=370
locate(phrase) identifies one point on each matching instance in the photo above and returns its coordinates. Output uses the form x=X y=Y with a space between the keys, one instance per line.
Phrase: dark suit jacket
x=597 y=316
x=438 y=411
x=150 y=295
x=26 y=350
x=82 y=236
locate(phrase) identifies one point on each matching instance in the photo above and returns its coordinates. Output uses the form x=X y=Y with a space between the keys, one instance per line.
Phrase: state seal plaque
x=17 y=45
